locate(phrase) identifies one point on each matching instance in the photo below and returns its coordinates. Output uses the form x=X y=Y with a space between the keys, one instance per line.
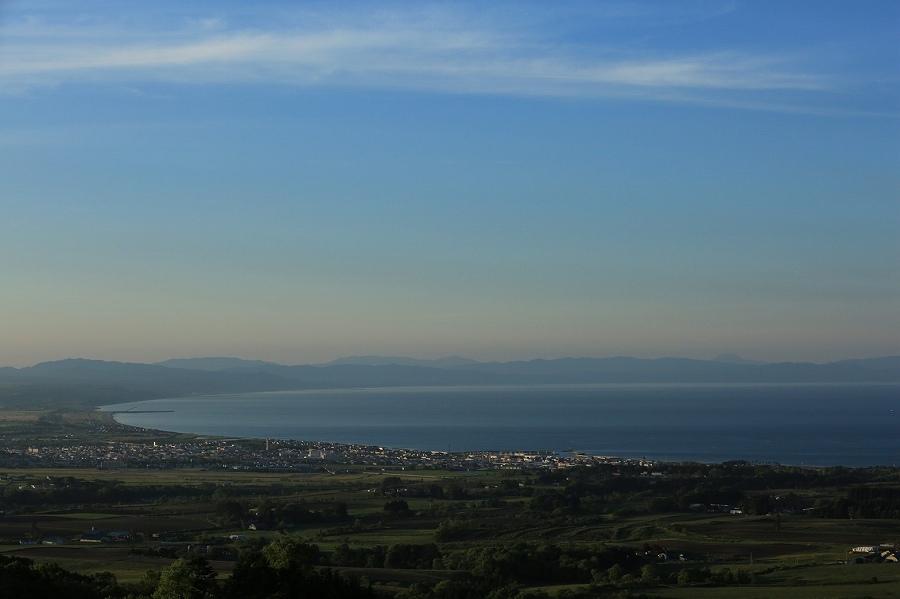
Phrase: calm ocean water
x=852 y=425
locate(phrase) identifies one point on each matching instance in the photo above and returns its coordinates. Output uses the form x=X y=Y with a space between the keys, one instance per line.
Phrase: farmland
x=218 y=515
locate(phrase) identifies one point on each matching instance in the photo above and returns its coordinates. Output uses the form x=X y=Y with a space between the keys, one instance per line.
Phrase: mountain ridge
x=91 y=382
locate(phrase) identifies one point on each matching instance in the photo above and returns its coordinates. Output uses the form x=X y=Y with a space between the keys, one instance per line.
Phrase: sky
x=303 y=180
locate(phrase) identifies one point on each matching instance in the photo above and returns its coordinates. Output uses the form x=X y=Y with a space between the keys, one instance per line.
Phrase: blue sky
x=299 y=181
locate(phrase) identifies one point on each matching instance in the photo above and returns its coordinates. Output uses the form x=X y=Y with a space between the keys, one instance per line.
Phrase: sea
x=800 y=424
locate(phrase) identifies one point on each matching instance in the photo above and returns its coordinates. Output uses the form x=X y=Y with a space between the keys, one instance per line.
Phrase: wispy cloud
x=386 y=50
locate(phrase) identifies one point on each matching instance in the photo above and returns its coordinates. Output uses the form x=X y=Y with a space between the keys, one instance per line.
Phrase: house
x=92 y=536
x=53 y=540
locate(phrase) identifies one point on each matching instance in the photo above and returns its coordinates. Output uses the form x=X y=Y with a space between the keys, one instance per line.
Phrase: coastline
x=710 y=423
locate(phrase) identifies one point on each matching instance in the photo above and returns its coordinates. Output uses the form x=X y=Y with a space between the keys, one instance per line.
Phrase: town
x=277 y=455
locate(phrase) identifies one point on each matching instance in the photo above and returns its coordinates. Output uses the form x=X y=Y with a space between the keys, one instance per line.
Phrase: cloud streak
x=391 y=51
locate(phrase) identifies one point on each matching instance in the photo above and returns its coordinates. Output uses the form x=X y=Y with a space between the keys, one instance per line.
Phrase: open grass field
x=13 y=416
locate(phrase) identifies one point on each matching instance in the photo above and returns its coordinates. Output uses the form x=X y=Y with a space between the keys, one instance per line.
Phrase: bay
x=815 y=424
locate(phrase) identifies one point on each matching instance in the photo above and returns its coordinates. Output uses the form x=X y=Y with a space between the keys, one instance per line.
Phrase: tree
x=614 y=573
x=396 y=507
x=649 y=574
x=403 y=555
x=339 y=509
x=23 y=578
x=286 y=553
x=284 y=570
x=186 y=579
x=390 y=485
x=231 y=512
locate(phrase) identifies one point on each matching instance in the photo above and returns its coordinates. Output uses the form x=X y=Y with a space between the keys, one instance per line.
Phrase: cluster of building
x=717 y=508
x=865 y=554
x=279 y=455
x=102 y=536
x=90 y=536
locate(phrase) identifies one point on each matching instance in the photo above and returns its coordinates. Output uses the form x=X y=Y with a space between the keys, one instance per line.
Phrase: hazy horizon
x=724 y=356
x=296 y=183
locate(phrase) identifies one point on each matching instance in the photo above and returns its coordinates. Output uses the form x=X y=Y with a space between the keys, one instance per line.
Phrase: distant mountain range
x=220 y=363
x=213 y=364
x=94 y=382
x=735 y=359
x=446 y=362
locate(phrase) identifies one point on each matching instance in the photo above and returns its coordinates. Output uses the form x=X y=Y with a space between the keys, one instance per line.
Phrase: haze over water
x=853 y=425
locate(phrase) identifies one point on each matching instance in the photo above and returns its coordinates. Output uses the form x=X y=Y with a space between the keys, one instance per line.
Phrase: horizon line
x=735 y=359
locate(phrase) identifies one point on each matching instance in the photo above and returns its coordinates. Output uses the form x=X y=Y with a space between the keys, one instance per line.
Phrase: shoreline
x=706 y=427
x=94 y=439
x=645 y=458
